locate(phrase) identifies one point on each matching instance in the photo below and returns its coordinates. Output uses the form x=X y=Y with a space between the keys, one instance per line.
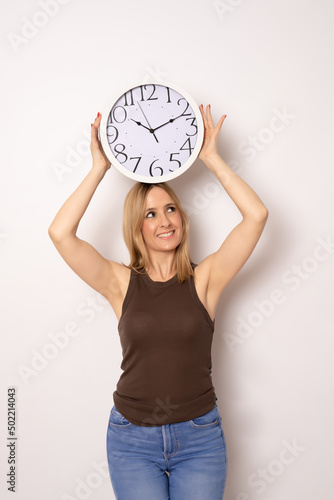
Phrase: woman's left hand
x=210 y=142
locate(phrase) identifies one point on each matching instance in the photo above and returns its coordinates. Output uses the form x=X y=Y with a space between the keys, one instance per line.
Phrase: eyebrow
x=153 y=208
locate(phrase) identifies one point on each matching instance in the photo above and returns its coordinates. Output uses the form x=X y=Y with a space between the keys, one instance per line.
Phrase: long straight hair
x=133 y=217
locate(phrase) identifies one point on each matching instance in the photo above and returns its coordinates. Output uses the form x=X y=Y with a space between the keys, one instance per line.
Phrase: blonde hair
x=133 y=216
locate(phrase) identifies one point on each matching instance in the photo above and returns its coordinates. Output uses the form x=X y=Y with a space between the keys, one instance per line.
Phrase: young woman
x=165 y=438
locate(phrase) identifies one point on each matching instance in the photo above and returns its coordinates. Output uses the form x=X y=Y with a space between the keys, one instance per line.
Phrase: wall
x=267 y=65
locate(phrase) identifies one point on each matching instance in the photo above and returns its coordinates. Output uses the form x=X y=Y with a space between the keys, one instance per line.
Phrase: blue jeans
x=181 y=461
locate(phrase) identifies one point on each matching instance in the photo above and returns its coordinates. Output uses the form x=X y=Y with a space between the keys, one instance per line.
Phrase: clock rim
x=119 y=166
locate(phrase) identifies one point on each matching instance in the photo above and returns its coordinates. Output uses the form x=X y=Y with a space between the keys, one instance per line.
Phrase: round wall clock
x=152 y=132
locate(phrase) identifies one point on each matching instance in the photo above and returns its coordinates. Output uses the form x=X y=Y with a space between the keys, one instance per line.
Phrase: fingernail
x=91 y=124
x=98 y=114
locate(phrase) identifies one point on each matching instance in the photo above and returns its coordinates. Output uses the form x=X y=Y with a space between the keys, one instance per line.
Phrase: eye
x=148 y=215
x=172 y=209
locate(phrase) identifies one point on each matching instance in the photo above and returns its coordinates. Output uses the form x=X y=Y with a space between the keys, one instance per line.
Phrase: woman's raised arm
x=83 y=259
x=216 y=270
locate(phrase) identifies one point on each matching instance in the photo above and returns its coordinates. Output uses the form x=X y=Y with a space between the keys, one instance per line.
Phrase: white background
x=253 y=60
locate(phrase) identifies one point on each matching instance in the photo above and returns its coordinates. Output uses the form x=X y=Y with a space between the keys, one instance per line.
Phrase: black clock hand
x=169 y=121
x=138 y=123
x=150 y=129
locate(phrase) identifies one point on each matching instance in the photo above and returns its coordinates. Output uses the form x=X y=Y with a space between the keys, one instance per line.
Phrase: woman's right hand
x=99 y=157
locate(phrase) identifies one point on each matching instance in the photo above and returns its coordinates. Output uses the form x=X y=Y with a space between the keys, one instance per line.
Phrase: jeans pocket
x=117 y=420
x=210 y=419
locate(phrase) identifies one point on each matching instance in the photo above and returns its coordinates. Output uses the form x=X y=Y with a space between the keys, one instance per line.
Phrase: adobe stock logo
x=161 y=412
x=85 y=488
x=294 y=277
x=265 y=476
x=58 y=341
x=31 y=27
x=155 y=74
x=73 y=157
x=277 y=124
x=202 y=197
x=225 y=7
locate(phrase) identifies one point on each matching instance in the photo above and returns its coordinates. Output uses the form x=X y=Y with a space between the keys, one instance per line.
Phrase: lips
x=166 y=235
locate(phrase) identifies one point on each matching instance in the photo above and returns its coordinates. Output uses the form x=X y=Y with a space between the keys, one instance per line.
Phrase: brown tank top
x=166 y=336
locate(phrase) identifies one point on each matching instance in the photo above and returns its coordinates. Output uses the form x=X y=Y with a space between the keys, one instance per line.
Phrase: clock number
x=126 y=98
x=121 y=114
x=193 y=124
x=136 y=158
x=184 y=112
x=189 y=148
x=174 y=159
x=121 y=152
x=110 y=133
x=151 y=169
x=150 y=98
x=168 y=94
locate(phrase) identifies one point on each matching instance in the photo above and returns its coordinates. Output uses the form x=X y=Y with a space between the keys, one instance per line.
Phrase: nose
x=164 y=220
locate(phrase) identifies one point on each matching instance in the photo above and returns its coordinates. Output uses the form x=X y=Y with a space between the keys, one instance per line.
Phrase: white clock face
x=153 y=132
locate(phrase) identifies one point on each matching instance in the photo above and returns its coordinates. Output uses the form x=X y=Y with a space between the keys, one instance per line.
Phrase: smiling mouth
x=166 y=235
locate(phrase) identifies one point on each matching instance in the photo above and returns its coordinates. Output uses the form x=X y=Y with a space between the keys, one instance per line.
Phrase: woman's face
x=162 y=224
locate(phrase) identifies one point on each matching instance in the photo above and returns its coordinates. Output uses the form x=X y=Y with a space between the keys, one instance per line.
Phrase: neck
x=162 y=269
